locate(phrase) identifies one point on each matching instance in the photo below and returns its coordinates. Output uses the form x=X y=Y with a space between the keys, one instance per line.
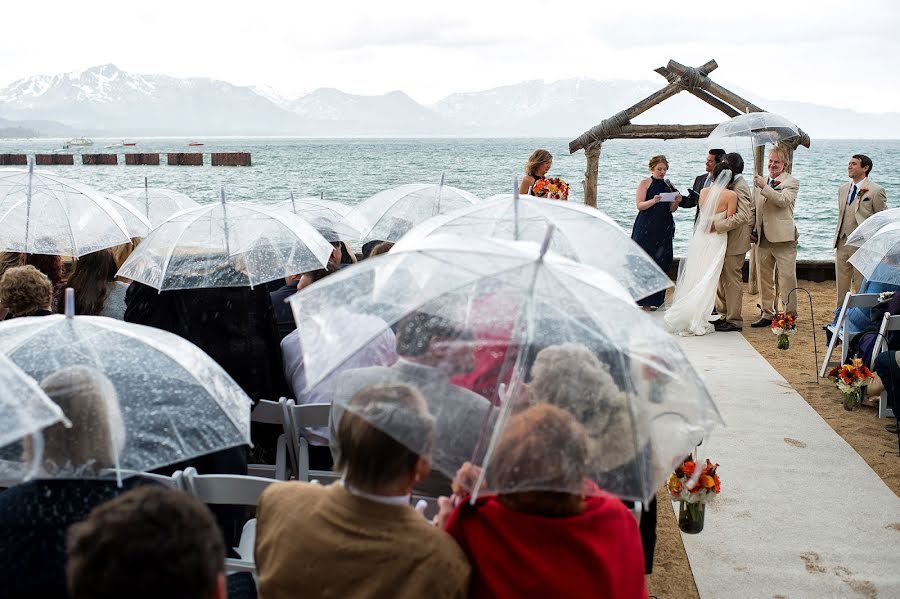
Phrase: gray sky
x=842 y=54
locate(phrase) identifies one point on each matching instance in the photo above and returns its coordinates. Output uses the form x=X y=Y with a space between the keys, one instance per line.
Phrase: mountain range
x=107 y=101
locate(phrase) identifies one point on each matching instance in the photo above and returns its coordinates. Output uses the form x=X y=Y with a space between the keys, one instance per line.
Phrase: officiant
x=774 y=198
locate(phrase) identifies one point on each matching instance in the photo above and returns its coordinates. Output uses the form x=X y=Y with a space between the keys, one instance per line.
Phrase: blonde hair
x=97 y=435
x=24 y=290
x=537 y=158
x=10 y=260
x=778 y=149
x=121 y=252
x=659 y=158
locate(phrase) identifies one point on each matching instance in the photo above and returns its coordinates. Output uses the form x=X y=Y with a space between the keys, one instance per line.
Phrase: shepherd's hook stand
x=812 y=317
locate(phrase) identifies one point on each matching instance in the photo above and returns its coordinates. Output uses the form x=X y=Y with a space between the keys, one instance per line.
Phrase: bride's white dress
x=698 y=277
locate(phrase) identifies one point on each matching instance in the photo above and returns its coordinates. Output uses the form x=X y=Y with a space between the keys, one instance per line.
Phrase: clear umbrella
x=136 y=223
x=142 y=398
x=226 y=244
x=157 y=204
x=43 y=213
x=872 y=225
x=583 y=234
x=475 y=313
x=761 y=127
x=327 y=216
x=388 y=215
x=878 y=259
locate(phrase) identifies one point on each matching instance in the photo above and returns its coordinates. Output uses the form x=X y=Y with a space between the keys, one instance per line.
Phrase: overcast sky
x=838 y=53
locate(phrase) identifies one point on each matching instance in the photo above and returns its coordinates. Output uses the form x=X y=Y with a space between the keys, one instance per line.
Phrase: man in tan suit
x=857 y=200
x=730 y=294
x=774 y=200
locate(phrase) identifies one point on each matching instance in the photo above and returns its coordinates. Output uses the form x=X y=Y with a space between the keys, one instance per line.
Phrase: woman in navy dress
x=654 y=227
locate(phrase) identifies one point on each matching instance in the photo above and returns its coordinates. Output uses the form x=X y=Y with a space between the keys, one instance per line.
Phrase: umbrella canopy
x=582 y=234
x=878 y=259
x=872 y=225
x=761 y=127
x=388 y=215
x=327 y=216
x=136 y=224
x=156 y=204
x=230 y=244
x=43 y=213
x=476 y=312
x=24 y=407
x=163 y=400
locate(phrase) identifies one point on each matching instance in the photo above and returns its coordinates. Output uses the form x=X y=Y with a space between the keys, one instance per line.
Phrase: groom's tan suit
x=730 y=294
x=777 y=245
x=870 y=198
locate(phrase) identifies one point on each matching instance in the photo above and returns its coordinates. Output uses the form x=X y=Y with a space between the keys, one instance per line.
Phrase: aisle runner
x=800 y=514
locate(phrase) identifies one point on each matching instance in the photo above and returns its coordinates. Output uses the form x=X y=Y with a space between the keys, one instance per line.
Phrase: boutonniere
x=777 y=183
x=863 y=190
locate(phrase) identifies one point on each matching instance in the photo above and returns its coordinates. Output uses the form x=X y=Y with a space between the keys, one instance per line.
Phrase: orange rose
x=674 y=485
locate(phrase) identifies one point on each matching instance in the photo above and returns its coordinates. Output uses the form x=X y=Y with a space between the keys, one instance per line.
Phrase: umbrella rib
x=174 y=245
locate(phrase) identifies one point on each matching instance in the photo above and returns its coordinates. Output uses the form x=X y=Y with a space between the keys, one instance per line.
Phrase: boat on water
x=194 y=144
x=78 y=142
x=123 y=144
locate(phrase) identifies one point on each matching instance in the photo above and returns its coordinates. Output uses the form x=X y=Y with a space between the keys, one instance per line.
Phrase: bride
x=698 y=273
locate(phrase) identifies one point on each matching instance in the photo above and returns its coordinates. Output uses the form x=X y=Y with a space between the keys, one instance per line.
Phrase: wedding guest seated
x=53 y=267
x=859 y=319
x=35 y=515
x=368 y=246
x=150 y=542
x=9 y=260
x=97 y=292
x=549 y=531
x=360 y=537
x=26 y=291
x=284 y=317
x=887 y=367
x=863 y=344
x=382 y=248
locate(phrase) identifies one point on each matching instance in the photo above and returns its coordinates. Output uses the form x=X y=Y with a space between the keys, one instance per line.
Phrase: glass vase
x=784 y=341
x=851 y=400
x=690 y=517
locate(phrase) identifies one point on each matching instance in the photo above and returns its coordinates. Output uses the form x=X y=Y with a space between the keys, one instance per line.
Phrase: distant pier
x=131 y=159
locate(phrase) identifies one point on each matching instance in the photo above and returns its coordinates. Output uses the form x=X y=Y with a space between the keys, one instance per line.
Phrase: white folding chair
x=889 y=323
x=271 y=412
x=229 y=489
x=841 y=330
x=296 y=417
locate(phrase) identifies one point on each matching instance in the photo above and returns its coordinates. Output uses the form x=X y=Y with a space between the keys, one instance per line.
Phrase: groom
x=730 y=294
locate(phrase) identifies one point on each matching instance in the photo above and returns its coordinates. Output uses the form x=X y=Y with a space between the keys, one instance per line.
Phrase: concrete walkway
x=800 y=513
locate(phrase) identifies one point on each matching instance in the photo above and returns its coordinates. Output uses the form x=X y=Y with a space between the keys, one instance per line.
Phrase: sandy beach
x=861 y=429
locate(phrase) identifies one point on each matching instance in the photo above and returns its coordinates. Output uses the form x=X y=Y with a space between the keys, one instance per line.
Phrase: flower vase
x=784 y=341
x=690 y=517
x=851 y=400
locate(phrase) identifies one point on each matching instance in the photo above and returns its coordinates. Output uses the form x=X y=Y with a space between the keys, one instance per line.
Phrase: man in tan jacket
x=777 y=234
x=730 y=294
x=857 y=200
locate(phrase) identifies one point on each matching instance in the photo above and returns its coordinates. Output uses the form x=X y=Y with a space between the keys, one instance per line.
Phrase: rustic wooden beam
x=701 y=94
x=663 y=132
x=714 y=88
x=592 y=155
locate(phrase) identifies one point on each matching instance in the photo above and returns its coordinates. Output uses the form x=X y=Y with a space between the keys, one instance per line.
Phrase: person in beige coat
x=774 y=198
x=858 y=199
x=730 y=293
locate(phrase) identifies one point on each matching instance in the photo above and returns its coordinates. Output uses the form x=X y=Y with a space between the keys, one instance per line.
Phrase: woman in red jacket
x=549 y=531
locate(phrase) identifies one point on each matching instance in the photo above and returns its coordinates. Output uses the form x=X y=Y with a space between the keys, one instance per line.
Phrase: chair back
x=268 y=412
x=840 y=330
x=296 y=418
x=224 y=489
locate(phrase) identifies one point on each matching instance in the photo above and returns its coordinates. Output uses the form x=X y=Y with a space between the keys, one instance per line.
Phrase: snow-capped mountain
x=105 y=100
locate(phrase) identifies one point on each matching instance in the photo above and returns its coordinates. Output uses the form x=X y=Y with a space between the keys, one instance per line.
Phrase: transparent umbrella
x=582 y=233
x=141 y=398
x=156 y=204
x=872 y=225
x=136 y=224
x=327 y=216
x=472 y=314
x=761 y=127
x=878 y=259
x=226 y=244
x=43 y=213
x=388 y=215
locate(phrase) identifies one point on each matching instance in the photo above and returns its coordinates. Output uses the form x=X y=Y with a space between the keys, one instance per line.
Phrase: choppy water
x=350 y=170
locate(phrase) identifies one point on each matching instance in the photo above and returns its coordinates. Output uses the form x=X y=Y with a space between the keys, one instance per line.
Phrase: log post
x=592 y=155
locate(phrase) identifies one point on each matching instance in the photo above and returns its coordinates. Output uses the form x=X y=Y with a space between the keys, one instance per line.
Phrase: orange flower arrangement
x=553 y=189
x=849 y=378
x=703 y=490
x=784 y=325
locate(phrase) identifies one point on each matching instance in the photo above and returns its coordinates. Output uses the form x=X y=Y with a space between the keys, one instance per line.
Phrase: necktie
x=852 y=195
x=772 y=183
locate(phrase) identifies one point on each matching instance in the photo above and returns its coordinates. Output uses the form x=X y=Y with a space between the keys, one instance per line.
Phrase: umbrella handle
x=37 y=455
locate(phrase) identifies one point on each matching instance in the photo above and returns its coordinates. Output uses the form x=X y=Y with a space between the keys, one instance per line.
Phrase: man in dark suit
x=692 y=200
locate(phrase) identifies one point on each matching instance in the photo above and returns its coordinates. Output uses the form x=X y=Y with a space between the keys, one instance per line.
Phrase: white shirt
x=386 y=499
x=858 y=187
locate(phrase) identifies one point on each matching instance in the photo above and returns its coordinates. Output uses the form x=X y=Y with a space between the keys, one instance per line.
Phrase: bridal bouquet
x=693 y=494
x=849 y=378
x=784 y=326
x=552 y=189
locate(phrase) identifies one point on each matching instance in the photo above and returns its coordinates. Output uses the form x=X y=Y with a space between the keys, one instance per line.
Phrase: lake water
x=351 y=170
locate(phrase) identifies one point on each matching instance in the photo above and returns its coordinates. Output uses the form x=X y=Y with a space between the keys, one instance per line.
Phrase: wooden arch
x=693 y=80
